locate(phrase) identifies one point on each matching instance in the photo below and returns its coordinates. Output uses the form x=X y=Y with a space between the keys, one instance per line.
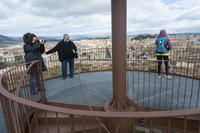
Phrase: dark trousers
x=64 y=67
x=165 y=58
x=34 y=83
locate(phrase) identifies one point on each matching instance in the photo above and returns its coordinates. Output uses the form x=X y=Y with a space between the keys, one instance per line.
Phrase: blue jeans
x=34 y=82
x=64 y=67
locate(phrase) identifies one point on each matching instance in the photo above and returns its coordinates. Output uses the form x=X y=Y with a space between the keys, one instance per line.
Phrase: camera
x=41 y=41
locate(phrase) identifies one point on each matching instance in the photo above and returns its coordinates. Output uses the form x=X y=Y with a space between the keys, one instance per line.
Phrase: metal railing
x=22 y=111
x=147 y=53
x=180 y=91
x=133 y=53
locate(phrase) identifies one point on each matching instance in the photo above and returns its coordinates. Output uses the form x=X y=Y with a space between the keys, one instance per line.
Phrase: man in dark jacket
x=33 y=51
x=67 y=52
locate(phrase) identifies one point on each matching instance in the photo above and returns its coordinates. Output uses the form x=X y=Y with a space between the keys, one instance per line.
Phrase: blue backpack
x=161 y=45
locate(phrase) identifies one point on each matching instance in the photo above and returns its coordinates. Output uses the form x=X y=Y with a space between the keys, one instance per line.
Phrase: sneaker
x=158 y=76
x=71 y=76
x=167 y=76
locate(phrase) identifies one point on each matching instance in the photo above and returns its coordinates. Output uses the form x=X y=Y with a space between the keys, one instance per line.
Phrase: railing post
x=41 y=81
x=199 y=124
x=7 y=110
x=7 y=114
x=15 y=117
x=72 y=124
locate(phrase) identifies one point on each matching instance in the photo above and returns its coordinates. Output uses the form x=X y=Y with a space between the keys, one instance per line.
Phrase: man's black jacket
x=66 y=50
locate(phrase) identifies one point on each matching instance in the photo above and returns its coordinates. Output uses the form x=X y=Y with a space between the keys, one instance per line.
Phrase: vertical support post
x=119 y=8
x=120 y=101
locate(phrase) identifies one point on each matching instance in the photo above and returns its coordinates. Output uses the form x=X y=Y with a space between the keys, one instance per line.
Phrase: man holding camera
x=67 y=51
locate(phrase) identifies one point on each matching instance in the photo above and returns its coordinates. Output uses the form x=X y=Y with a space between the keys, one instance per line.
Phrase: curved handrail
x=24 y=74
x=151 y=114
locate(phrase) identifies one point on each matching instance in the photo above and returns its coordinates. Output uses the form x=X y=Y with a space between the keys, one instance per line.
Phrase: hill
x=142 y=37
x=7 y=41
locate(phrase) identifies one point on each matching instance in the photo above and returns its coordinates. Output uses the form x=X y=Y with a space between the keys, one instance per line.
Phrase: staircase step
x=51 y=118
x=78 y=128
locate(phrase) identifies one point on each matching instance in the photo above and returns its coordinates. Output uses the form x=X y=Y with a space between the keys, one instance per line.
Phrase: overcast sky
x=93 y=17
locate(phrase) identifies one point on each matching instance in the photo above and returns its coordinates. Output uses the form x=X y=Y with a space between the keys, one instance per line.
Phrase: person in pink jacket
x=163 y=46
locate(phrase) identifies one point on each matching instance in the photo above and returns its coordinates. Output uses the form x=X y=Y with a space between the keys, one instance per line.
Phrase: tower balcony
x=78 y=104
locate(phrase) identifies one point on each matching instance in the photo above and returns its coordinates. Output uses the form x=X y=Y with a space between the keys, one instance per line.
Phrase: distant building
x=19 y=59
x=9 y=57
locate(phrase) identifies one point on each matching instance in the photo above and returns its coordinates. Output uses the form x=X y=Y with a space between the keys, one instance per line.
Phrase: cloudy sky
x=93 y=17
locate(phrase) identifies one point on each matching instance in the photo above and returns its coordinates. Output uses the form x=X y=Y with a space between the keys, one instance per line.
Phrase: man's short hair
x=65 y=35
